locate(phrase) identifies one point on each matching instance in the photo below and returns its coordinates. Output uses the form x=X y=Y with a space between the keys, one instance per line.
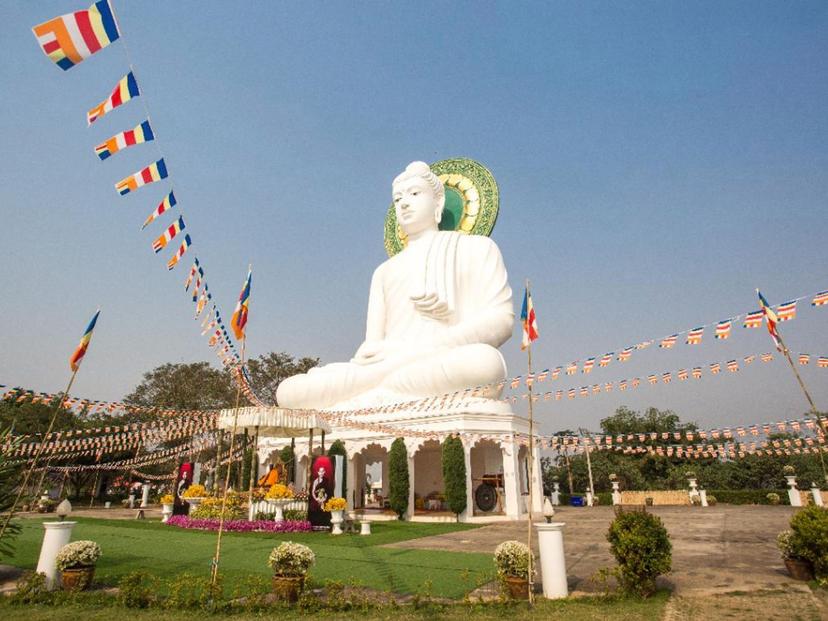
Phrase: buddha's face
x=416 y=206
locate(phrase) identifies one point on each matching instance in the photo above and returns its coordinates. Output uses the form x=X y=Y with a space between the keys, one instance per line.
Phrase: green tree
x=338 y=448
x=10 y=475
x=184 y=386
x=454 y=474
x=398 y=482
x=269 y=370
x=288 y=457
x=626 y=421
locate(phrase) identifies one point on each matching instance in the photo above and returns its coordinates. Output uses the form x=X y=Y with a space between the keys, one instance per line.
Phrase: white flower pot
x=193 y=502
x=166 y=512
x=336 y=522
x=365 y=528
x=279 y=508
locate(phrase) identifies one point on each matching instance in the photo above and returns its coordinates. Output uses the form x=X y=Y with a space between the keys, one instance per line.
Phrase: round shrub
x=641 y=545
x=291 y=559
x=711 y=500
x=512 y=560
x=78 y=554
x=773 y=498
x=809 y=538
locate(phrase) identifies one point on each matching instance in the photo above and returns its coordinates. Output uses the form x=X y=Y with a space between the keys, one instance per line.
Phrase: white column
x=511 y=480
x=351 y=484
x=411 y=474
x=145 y=490
x=553 y=561
x=703 y=497
x=537 y=482
x=817 y=496
x=56 y=536
x=465 y=515
x=793 y=494
x=616 y=494
x=556 y=494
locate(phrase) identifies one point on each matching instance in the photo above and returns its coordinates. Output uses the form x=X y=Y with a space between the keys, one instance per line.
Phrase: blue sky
x=656 y=163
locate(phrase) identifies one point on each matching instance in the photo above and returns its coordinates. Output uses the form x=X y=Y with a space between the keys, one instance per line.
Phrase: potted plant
x=512 y=561
x=798 y=567
x=194 y=495
x=336 y=507
x=278 y=496
x=76 y=562
x=290 y=563
x=167 y=502
x=773 y=498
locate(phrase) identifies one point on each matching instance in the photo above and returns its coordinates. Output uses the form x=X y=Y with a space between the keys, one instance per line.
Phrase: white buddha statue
x=437 y=312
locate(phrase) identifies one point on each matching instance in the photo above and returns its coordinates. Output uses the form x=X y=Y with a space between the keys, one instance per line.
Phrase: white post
x=537 y=482
x=817 y=495
x=616 y=494
x=793 y=494
x=553 y=562
x=411 y=476
x=511 y=480
x=56 y=536
x=469 y=510
x=353 y=483
x=703 y=496
x=145 y=490
x=556 y=494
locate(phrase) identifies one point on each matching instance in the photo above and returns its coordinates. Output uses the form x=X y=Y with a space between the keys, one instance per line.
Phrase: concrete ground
x=715 y=549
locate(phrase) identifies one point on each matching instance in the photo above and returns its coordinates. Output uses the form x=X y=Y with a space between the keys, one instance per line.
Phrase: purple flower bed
x=241 y=526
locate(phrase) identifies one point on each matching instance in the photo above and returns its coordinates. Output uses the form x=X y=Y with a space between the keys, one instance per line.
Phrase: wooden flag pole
x=254 y=471
x=814 y=411
x=530 y=464
x=39 y=452
x=215 y=564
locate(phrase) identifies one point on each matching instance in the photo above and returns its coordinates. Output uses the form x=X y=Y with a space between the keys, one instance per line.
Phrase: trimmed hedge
x=747 y=496
x=604 y=498
x=398 y=483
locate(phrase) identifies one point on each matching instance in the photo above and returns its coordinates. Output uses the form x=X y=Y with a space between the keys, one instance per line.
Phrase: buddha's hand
x=431 y=306
x=370 y=352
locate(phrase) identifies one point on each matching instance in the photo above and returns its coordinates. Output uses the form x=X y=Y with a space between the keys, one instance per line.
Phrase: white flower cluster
x=291 y=559
x=78 y=554
x=512 y=559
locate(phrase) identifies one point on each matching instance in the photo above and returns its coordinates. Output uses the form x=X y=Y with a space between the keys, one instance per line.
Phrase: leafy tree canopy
x=184 y=386
x=626 y=421
x=268 y=371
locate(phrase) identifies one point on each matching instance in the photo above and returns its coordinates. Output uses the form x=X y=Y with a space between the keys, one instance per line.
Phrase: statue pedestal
x=56 y=536
x=495 y=459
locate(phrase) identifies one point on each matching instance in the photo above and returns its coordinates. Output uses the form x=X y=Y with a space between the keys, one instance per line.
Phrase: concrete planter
x=517 y=588
x=336 y=522
x=77 y=578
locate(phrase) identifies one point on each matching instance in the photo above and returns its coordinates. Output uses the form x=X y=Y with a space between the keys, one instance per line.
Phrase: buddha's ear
x=438 y=212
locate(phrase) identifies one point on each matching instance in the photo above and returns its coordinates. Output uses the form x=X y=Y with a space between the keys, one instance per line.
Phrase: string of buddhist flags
x=722 y=330
x=68 y=40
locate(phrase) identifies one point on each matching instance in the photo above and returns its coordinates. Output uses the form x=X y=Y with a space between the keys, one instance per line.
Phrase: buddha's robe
x=424 y=352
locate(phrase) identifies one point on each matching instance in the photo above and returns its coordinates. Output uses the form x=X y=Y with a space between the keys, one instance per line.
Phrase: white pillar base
x=145 y=490
x=365 y=528
x=817 y=495
x=553 y=562
x=703 y=497
x=57 y=535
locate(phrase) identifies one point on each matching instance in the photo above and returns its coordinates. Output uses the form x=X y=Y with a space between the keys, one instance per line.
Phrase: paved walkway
x=715 y=549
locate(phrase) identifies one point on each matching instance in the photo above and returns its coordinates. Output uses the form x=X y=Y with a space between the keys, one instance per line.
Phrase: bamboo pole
x=531 y=459
x=254 y=462
x=217 y=557
x=39 y=453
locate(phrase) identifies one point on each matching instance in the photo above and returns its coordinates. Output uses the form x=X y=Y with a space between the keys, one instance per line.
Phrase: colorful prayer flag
x=754 y=319
x=694 y=337
x=152 y=173
x=137 y=135
x=667 y=377
x=668 y=342
x=606 y=359
x=715 y=368
x=682 y=374
x=749 y=359
x=625 y=354
x=804 y=359
x=786 y=311
x=723 y=329
x=77 y=356
x=174 y=229
x=697 y=372
x=527 y=317
x=766 y=357
x=653 y=379
x=771 y=319
x=73 y=37
x=239 y=319
x=588 y=364
x=165 y=205
x=732 y=366
x=572 y=368
x=822 y=363
x=192 y=274
x=179 y=253
x=820 y=299
x=124 y=90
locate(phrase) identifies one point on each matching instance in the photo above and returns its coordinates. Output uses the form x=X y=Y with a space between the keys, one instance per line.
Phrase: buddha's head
x=419 y=197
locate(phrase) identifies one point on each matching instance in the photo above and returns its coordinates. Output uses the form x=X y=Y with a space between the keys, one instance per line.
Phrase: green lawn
x=166 y=551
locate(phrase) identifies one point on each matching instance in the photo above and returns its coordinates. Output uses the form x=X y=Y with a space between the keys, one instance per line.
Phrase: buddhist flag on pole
x=167 y=236
x=770 y=318
x=80 y=351
x=137 y=135
x=179 y=253
x=150 y=174
x=239 y=319
x=527 y=317
x=72 y=37
x=168 y=203
x=124 y=90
